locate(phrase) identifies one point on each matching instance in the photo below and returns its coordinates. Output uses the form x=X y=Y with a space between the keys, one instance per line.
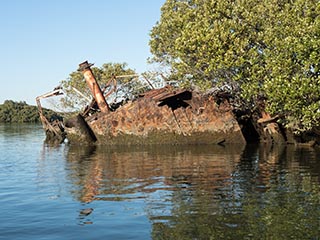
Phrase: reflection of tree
x=306 y=158
x=199 y=218
x=290 y=214
x=206 y=192
x=281 y=217
x=290 y=207
x=263 y=201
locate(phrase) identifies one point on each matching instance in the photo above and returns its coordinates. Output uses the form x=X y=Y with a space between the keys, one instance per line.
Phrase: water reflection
x=115 y=174
x=204 y=192
x=270 y=196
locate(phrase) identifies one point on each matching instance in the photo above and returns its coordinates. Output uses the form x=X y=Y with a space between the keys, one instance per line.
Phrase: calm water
x=190 y=192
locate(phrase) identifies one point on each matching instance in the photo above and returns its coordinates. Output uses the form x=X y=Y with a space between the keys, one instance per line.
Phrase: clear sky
x=43 y=41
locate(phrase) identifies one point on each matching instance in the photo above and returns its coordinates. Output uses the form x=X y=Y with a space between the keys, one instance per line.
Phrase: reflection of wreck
x=160 y=116
x=114 y=173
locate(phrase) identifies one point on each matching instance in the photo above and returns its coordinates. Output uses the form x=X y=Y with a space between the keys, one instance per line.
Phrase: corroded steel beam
x=92 y=83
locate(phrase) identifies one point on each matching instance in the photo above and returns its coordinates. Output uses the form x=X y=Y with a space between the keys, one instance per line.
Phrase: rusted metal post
x=94 y=86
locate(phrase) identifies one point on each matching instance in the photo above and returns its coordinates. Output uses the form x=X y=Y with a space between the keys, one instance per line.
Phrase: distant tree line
x=20 y=112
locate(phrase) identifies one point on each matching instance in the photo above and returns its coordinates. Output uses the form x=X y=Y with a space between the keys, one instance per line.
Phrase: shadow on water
x=207 y=192
x=121 y=171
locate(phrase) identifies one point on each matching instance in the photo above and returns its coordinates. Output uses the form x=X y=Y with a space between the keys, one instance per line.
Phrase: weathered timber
x=268 y=129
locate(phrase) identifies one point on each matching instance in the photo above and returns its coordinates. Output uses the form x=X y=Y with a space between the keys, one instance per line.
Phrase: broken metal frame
x=113 y=85
x=45 y=122
x=55 y=129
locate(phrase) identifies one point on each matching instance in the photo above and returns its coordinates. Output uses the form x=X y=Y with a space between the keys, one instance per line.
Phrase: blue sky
x=42 y=42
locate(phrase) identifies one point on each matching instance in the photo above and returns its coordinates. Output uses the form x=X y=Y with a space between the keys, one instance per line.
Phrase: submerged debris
x=86 y=211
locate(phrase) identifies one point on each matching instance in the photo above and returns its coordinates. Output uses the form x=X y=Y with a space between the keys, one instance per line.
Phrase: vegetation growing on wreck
x=270 y=48
x=78 y=94
x=248 y=54
x=19 y=112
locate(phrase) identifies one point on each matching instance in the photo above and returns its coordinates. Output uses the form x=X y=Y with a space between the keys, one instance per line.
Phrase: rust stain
x=92 y=83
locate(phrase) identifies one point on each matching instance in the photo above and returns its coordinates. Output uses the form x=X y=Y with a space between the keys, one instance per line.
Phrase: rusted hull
x=178 y=118
x=169 y=116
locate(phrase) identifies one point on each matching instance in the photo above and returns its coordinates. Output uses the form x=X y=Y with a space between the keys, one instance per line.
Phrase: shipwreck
x=166 y=115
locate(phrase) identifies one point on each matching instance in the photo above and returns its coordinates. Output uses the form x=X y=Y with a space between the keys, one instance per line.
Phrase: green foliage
x=271 y=48
x=126 y=86
x=19 y=112
x=293 y=85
